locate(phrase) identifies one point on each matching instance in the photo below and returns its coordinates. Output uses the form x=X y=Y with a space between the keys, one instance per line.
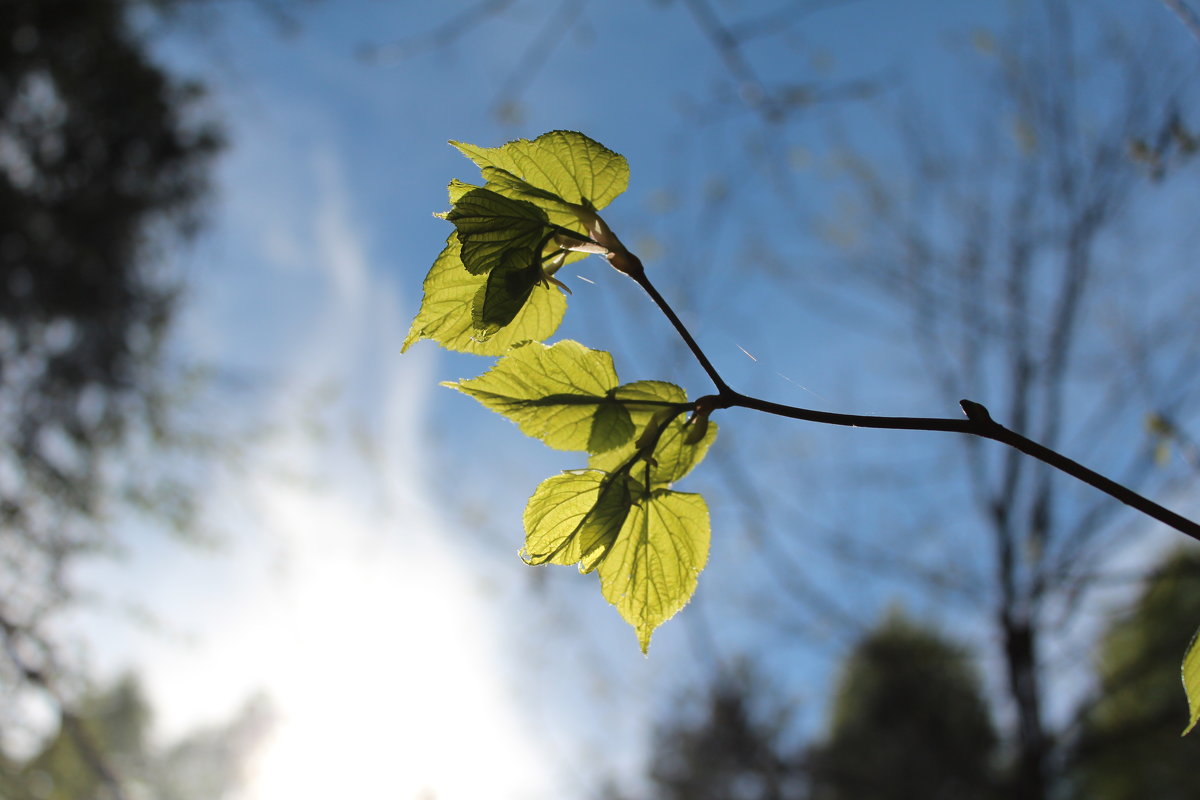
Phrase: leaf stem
x=636 y=271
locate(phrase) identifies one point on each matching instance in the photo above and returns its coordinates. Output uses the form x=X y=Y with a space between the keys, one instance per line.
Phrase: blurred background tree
x=104 y=158
x=734 y=744
x=117 y=721
x=908 y=722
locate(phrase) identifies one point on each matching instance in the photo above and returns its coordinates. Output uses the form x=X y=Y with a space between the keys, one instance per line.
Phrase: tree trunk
x=1029 y=770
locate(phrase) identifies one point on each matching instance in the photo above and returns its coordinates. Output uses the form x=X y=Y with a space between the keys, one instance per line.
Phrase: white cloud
x=341 y=600
x=338 y=240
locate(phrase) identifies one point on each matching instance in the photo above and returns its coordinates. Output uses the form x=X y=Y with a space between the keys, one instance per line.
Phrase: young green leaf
x=574 y=518
x=571 y=216
x=505 y=183
x=567 y=395
x=650 y=571
x=1191 y=681
x=447 y=310
x=673 y=456
x=497 y=230
x=565 y=164
x=509 y=286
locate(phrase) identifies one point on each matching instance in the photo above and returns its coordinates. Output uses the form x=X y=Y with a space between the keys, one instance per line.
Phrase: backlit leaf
x=611 y=426
x=673 y=457
x=497 y=230
x=456 y=190
x=574 y=518
x=567 y=395
x=509 y=286
x=504 y=182
x=644 y=399
x=560 y=211
x=564 y=163
x=446 y=310
x=1191 y=681
x=650 y=571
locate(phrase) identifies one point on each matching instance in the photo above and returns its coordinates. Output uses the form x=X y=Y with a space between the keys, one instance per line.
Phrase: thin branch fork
x=978 y=421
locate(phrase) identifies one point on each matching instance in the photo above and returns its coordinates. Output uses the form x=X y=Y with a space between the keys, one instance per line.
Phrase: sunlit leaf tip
x=1191 y=681
x=651 y=570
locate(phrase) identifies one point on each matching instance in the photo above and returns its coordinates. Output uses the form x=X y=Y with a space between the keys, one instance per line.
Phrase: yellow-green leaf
x=509 y=286
x=673 y=457
x=456 y=190
x=567 y=395
x=495 y=230
x=553 y=393
x=1191 y=681
x=574 y=518
x=560 y=212
x=504 y=182
x=650 y=571
x=446 y=310
x=567 y=164
x=645 y=398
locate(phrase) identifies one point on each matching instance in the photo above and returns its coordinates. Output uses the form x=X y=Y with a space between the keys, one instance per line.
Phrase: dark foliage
x=102 y=163
x=98 y=161
x=734 y=748
x=909 y=722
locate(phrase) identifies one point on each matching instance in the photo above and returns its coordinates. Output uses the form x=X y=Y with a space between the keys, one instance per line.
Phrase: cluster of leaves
x=492 y=291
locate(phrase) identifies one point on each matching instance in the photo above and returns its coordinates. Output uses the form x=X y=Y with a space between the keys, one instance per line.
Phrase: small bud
x=697 y=426
x=650 y=435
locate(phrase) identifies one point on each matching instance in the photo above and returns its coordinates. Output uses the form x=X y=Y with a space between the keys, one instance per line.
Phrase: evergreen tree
x=734 y=749
x=909 y=722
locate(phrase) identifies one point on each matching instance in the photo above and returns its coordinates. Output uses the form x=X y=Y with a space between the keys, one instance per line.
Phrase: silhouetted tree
x=909 y=722
x=102 y=163
x=734 y=748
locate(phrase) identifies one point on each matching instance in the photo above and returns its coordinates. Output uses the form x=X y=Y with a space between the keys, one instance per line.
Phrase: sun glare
x=373 y=650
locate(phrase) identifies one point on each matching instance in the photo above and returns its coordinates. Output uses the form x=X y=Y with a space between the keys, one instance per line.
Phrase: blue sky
x=366 y=575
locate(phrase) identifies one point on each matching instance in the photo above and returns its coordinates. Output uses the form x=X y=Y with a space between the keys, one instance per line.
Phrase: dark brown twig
x=978 y=421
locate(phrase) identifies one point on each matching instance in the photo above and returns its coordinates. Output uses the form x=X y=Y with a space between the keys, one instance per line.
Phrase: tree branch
x=636 y=271
x=978 y=421
x=1186 y=15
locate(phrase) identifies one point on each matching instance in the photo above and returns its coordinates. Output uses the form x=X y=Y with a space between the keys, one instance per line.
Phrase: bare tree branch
x=1186 y=15
x=443 y=35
